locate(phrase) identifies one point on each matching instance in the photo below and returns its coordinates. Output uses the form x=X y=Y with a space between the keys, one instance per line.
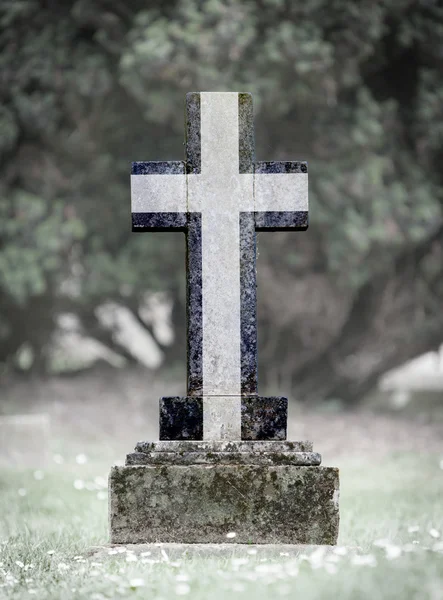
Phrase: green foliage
x=355 y=88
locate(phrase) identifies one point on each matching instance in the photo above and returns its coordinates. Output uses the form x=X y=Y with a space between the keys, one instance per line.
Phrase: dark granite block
x=246 y=133
x=170 y=167
x=168 y=221
x=193 y=133
x=281 y=221
x=194 y=305
x=248 y=304
x=264 y=418
x=299 y=166
x=181 y=418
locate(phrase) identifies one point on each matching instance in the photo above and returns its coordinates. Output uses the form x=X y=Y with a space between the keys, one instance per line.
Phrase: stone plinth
x=201 y=494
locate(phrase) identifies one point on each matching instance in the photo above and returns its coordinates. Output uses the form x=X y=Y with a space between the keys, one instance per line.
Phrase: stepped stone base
x=202 y=503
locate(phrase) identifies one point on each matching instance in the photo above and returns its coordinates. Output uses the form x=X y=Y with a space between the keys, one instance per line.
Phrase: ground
x=391 y=534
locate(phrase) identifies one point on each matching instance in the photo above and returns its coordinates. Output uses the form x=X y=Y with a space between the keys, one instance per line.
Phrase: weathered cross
x=220 y=197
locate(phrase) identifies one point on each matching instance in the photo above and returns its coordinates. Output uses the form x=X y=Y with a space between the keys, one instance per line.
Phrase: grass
x=391 y=470
x=49 y=521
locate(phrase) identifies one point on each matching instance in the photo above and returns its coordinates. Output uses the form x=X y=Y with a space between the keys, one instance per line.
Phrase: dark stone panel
x=181 y=418
x=248 y=304
x=299 y=166
x=194 y=305
x=280 y=221
x=246 y=133
x=158 y=168
x=264 y=418
x=167 y=221
x=193 y=133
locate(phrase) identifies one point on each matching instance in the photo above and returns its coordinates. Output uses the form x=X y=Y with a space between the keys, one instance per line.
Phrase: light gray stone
x=224 y=458
x=202 y=503
x=230 y=446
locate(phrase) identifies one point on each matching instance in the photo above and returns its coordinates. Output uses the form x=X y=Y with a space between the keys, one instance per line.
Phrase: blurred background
x=90 y=312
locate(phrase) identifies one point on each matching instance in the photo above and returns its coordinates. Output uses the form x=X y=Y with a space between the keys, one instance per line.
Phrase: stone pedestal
x=197 y=492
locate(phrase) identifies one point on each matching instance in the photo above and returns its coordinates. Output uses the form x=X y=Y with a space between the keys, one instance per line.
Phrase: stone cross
x=220 y=197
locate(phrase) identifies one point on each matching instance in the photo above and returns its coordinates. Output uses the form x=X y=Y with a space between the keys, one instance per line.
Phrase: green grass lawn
x=391 y=508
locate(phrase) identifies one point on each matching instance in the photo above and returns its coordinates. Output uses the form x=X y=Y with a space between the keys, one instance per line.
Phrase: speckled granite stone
x=194 y=305
x=193 y=133
x=181 y=418
x=246 y=145
x=306 y=459
x=220 y=196
x=264 y=418
x=231 y=446
x=268 y=167
x=248 y=304
x=190 y=504
x=281 y=221
x=261 y=418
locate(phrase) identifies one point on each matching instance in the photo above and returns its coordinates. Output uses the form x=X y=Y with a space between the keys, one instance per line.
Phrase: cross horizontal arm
x=158 y=196
x=281 y=195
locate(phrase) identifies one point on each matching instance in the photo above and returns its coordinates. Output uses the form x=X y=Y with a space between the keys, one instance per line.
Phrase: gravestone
x=223 y=464
x=24 y=440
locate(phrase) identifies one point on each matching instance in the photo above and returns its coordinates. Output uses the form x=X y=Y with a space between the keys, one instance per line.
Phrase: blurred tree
x=354 y=88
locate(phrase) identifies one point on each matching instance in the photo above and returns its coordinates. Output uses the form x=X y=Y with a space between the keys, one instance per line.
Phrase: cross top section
x=220 y=196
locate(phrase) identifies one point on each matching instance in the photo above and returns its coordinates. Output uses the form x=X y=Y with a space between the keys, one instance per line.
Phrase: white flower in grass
x=392 y=552
x=79 y=484
x=331 y=568
x=50 y=552
x=22 y=492
x=81 y=459
x=136 y=583
x=413 y=528
x=434 y=533
x=182 y=589
x=231 y=535
x=39 y=475
x=131 y=557
x=58 y=459
x=238 y=562
x=366 y=560
x=19 y=564
x=164 y=555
